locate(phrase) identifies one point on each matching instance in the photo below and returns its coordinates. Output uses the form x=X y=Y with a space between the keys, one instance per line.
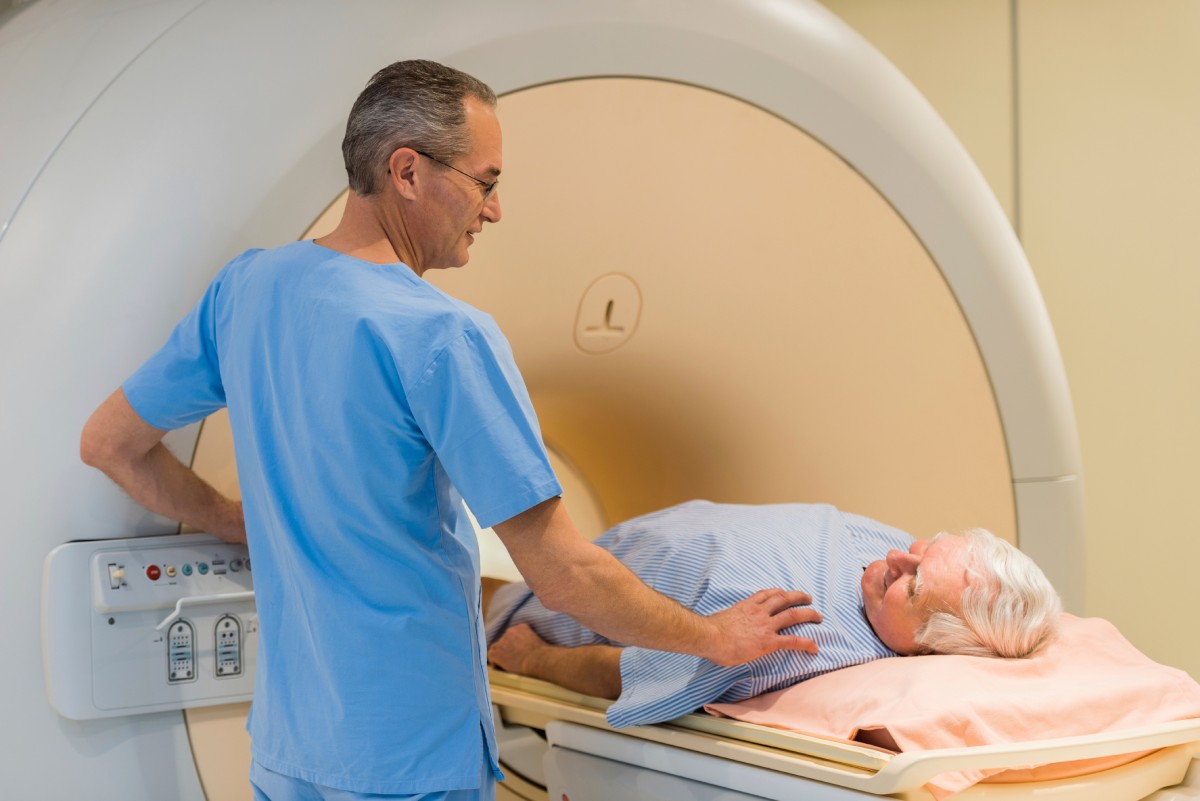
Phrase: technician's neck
x=365 y=233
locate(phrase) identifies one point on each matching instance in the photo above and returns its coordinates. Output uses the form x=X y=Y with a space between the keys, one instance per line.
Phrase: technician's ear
x=402 y=172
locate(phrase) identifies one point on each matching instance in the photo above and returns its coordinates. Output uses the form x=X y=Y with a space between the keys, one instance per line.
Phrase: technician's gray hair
x=417 y=104
x=1009 y=608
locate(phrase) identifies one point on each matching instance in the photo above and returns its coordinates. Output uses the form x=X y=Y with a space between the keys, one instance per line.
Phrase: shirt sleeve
x=475 y=412
x=181 y=383
x=660 y=685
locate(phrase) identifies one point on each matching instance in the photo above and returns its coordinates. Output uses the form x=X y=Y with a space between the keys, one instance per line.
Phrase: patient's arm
x=588 y=669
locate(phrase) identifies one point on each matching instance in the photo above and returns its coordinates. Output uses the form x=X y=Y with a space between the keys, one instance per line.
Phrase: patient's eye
x=914 y=586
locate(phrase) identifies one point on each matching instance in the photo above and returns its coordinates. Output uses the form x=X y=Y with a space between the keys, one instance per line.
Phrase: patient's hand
x=588 y=669
x=515 y=649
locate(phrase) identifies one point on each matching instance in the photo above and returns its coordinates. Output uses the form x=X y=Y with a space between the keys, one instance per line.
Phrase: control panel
x=147 y=624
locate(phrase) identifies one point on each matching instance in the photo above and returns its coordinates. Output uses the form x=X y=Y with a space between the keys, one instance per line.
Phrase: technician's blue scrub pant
x=271 y=786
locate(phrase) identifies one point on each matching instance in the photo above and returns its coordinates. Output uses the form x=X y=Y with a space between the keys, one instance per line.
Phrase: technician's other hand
x=752 y=628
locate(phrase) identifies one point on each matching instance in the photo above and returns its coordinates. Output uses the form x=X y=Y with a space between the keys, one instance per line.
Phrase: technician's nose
x=491 y=209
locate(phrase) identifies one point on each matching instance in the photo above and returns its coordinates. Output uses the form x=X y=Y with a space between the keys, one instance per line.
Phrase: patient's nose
x=902 y=561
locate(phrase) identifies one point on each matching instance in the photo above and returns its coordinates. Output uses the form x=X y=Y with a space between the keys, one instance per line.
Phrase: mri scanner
x=741 y=259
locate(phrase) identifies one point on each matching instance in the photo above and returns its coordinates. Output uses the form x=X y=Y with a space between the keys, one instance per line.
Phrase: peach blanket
x=1091 y=679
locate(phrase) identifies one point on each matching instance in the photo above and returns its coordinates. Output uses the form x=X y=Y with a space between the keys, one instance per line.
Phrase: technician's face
x=457 y=208
x=901 y=590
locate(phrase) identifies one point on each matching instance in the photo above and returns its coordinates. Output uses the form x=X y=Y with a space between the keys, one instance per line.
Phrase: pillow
x=1089 y=680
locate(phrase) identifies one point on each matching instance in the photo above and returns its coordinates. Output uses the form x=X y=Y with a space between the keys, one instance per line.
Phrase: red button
x=153 y=572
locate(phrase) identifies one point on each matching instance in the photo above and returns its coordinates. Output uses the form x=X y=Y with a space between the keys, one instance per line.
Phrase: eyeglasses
x=488 y=188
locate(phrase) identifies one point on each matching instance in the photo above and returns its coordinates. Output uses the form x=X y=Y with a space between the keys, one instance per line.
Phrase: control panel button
x=202 y=568
x=153 y=573
x=186 y=569
x=116 y=576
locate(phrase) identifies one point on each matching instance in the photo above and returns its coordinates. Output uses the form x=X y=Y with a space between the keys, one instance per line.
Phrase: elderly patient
x=880 y=594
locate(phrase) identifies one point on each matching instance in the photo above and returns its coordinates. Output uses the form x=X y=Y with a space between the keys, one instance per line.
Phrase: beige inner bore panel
x=705 y=302
x=785 y=335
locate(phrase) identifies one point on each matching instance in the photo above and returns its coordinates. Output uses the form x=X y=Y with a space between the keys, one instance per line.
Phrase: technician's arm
x=571 y=575
x=129 y=450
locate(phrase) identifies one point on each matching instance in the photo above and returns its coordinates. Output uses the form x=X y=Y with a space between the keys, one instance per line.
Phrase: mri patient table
x=556 y=744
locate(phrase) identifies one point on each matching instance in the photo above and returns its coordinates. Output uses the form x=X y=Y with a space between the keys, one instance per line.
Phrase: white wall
x=1083 y=115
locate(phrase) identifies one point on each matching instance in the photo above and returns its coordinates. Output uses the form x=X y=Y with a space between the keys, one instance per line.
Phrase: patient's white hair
x=1009 y=608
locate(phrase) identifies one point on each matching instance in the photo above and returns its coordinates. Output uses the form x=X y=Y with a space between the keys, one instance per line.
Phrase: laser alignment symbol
x=608 y=314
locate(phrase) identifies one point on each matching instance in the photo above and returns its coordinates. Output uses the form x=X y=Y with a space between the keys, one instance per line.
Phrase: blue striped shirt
x=708 y=557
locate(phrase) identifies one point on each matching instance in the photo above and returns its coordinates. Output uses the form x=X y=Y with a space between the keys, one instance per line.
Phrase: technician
x=363 y=401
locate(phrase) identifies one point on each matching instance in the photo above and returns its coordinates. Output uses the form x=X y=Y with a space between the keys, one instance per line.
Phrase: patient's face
x=897 y=603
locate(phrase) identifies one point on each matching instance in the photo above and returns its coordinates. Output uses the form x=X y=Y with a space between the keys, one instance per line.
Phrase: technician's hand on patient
x=754 y=627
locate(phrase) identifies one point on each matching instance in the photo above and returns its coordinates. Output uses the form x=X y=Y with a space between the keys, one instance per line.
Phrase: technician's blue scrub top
x=362 y=401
